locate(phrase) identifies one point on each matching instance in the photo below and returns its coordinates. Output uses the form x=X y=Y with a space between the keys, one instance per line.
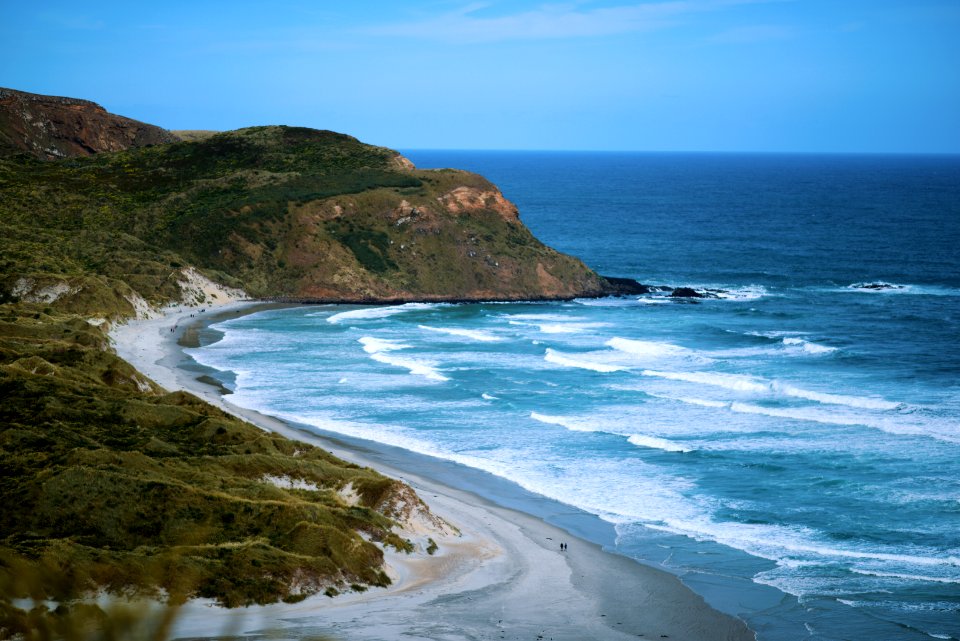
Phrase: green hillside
x=285 y=212
x=108 y=482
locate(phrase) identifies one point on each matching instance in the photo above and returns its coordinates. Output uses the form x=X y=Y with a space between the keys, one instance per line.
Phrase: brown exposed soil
x=50 y=127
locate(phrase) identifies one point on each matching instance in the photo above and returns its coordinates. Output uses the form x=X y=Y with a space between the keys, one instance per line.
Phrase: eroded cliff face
x=453 y=237
x=50 y=127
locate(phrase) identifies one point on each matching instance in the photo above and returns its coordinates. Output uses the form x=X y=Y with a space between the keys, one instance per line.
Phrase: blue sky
x=673 y=75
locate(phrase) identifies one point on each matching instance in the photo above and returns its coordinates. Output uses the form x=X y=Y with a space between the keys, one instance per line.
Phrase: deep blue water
x=799 y=433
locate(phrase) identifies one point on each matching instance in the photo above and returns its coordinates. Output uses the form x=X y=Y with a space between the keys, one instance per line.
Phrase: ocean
x=790 y=449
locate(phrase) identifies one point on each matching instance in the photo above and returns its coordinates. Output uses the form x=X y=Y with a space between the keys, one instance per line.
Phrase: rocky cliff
x=51 y=127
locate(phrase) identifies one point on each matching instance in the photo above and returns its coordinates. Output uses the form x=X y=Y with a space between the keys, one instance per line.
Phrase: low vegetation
x=285 y=212
x=108 y=483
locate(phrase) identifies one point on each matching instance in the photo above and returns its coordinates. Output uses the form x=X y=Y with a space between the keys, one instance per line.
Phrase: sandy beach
x=503 y=576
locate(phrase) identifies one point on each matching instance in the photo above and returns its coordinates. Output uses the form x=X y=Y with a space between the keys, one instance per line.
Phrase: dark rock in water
x=615 y=286
x=878 y=286
x=686 y=292
x=689 y=292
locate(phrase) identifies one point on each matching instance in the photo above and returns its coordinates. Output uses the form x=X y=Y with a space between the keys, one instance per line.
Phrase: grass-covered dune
x=108 y=482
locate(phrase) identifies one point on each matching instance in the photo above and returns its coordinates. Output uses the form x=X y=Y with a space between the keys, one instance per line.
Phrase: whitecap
x=579 y=425
x=379 y=349
x=907 y=577
x=374 y=313
x=647 y=349
x=560 y=358
x=488 y=397
x=772 y=334
x=563 y=421
x=807 y=346
x=543 y=317
x=654 y=442
x=560 y=328
x=749 y=292
x=418 y=368
x=373 y=345
x=877 y=286
x=753 y=384
x=735 y=382
x=861 y=402
x=689 y=400
x=741 y=293
x=474 y=334
x=606 y=302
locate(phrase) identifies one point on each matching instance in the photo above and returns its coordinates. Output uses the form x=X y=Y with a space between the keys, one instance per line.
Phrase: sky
x=670 y=75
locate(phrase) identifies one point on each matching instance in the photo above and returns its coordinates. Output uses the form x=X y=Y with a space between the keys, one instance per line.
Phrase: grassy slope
x=107 y=481
x=110 y=482
x=286 y=212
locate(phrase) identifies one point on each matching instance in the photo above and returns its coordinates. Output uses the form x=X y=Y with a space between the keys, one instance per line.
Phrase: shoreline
x=504 y=577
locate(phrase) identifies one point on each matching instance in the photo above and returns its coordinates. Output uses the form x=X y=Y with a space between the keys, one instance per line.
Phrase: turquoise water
x=799 y=433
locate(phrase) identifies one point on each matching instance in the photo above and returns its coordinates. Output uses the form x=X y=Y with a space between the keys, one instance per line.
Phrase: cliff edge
x=50 y=127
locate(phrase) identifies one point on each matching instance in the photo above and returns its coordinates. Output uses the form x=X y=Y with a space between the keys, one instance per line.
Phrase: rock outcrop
x=50 y=127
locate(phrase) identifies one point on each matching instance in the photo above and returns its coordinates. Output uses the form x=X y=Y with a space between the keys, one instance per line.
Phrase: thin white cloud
x=468 y=25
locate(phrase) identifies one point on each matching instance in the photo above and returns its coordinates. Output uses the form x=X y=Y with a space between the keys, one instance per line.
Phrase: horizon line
x=685 y=151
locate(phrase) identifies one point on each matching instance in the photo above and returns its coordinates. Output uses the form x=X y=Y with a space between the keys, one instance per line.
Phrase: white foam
x=559 y=358
x=558 y=318
x=753 y=384
x=749 y=292
x=560 y=328
x=415 y=367
x=569 y=328
x=894 y=425
x=773 y=334
x=743 y=293
x=799 y=414
x=689 y=400
x=648 y=349
x=908 y=577
x=861 y=402
x=488 y=397
x=379 y=349
x=606 y=302
x=564 y=421
x=654 y=442
x=373 y=313
x=474 y=334
x=878 y=286
x=579 y=425
x=807 y=346
x=373 y=345
x=735 y=382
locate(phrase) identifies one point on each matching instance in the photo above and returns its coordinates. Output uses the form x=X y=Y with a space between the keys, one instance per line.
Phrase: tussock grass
x=109 y=483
